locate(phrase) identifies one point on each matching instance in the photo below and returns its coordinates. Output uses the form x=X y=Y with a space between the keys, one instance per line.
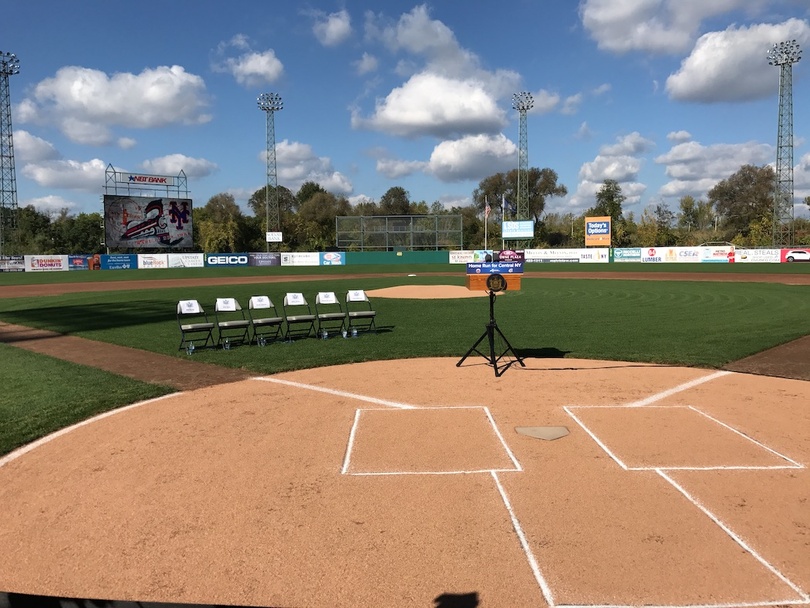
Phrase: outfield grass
x=41 y=395
x=701 y=324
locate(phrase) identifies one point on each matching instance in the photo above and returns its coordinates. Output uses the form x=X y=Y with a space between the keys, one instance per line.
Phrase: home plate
x=549 y=433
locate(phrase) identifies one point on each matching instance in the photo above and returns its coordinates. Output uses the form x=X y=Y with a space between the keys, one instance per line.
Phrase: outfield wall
x=712 y=254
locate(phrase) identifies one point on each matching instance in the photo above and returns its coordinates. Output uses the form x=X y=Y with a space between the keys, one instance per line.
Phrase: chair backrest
x=356 y=295
x=189 y=307
x=326 y=297
x=227 y=305
x=260 y=303
x=295 y=299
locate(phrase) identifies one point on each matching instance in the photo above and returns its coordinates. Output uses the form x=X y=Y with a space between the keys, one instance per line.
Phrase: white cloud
x=172 y=164
x=69 y=174
x=732 y=65
x=31 y=149
x=85 y=104
x=694 y=169
x=332 y=29
x=297 y=163
x=544 y=102
x=584 y=132
x=51 y=204
x=621 y=162
x=472 y=157
x=571 y=104
x=658 y=26
x=367 y=63
x=126 y=143
x=679 y=136
x=395 y=169
x=251 y=68
x=429 y=104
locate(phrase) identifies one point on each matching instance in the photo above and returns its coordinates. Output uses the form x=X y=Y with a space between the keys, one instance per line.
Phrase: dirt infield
x=321 y=488
x=329 y=487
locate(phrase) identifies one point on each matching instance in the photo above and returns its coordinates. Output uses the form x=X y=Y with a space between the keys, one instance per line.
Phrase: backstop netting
x=398 y=232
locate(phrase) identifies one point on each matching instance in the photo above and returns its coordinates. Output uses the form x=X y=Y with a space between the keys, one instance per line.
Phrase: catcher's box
x=478 y=282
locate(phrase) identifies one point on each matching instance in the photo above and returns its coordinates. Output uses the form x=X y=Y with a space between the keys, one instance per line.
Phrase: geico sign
x=226 y=260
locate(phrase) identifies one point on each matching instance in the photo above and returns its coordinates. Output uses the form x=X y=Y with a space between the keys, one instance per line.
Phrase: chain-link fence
x=398 y=232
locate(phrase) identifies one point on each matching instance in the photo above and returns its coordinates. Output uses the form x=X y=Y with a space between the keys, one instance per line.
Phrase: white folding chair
x=232 y=324
x=330 y=313
x=360 y=313
x=264 y=319
x=298 y=318
x=194 y=324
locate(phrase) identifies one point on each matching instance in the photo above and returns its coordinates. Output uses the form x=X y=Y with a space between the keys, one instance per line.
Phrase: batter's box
x=428 y=441
x=674 y=437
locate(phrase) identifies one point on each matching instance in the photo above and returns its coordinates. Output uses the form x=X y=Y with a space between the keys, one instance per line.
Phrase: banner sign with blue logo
x=495 y=268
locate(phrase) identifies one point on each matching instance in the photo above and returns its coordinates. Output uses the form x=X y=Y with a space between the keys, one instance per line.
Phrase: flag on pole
x=507 y=206
x=487 y=208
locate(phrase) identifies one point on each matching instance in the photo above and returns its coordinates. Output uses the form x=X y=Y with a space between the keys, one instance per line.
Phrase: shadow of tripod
x=493 y=358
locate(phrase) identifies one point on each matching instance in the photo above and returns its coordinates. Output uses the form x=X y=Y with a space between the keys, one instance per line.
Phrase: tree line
x=738 y=210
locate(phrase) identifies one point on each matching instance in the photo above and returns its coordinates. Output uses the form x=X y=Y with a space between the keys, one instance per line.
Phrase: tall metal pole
x=270 y=103
x=9 y=65
x=523 y=102
x=784 y=55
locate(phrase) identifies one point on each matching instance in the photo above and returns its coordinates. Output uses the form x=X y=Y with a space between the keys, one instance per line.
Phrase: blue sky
x=666 y=96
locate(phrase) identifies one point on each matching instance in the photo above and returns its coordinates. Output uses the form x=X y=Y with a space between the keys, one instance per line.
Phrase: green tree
x=220 y=226
x=541 y=184
x=743 y=198
x=609 y=199
x=396 y=201
x=315 y=221
x=33 y=230
x=308 y=190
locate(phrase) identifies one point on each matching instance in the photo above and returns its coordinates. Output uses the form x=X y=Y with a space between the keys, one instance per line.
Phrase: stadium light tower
x=270 y=103
x=784 y=55
x=9 y=65
x=523 y=102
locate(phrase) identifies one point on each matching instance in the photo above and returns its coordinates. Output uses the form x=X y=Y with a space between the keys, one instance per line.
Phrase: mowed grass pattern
x=700 y=324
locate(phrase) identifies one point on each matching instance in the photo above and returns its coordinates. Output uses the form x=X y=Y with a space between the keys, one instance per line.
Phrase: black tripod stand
x=489 y=334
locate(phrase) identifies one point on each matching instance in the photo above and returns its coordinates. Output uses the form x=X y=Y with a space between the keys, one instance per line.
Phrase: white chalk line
x=604 y=447
x=524 y=543
x=802 y=595
x=780 y=603
x=338 y=393
x=11 y=456
x=394 y=473
x=676 y=389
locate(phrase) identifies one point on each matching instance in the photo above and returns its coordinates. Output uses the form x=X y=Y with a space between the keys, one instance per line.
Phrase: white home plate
x=549 y=433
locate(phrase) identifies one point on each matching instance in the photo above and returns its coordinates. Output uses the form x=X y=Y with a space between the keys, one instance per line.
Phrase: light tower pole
x=523 y=102
x=784 y=55
x=270 y=103
x=9 y=65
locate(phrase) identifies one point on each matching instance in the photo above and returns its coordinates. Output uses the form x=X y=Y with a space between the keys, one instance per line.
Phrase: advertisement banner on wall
x=269 y=258
x=12 y=263
x=153 y=260
x=627 y=254
x=757 y=256
x=578 y=256
x=301 y=258
x=462 y=256
x=119 y=261
x=333 y=258
x=226 y=259
x=46 y=263
x=142 y=221
x=799 y=254
x=597 y=231
x=186 y=260
x=720 y=254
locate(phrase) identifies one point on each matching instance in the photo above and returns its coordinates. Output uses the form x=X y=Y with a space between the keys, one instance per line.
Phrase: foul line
x=337 y=393
x=48 y=438
x=538 y=576
x=677 y=389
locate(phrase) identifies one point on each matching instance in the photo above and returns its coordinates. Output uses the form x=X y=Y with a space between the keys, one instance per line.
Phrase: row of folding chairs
x=261 y=322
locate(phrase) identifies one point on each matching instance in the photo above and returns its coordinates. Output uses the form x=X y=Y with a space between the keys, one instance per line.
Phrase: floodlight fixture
x=784 y=53
x=9 y=64
x=522 y=102
x=270 y=102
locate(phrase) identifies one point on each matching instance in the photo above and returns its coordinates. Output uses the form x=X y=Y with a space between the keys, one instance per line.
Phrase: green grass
x=41 y=395
x=702 y=324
